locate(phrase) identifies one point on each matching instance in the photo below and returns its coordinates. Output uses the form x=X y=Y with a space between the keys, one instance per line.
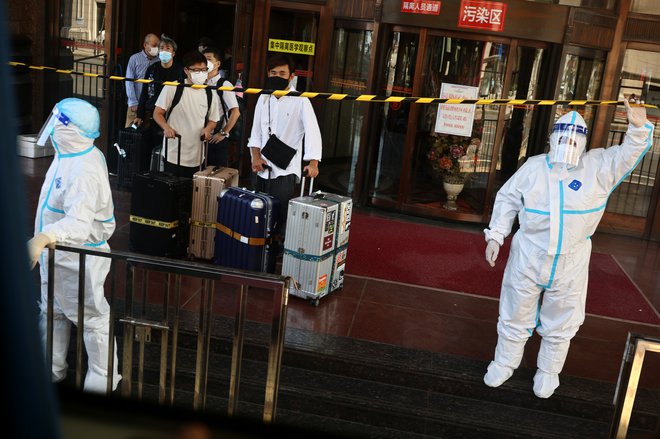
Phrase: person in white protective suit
x=75 y=208
x=559 y=199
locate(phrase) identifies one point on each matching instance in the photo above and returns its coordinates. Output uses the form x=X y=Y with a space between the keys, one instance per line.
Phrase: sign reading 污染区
x=428 y=7
x=456 y=119
x=291 y=46
x=485 y=15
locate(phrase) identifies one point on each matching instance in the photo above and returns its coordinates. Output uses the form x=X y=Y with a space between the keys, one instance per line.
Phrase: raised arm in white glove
x=637 y=114
x=492 y=250
x=36 y=245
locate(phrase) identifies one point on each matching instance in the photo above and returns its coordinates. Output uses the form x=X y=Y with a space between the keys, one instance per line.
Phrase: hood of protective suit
x=568 y=140
x=72 y=126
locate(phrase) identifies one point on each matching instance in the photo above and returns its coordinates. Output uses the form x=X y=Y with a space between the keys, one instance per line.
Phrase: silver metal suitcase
x=309 y=244
x=343 y=227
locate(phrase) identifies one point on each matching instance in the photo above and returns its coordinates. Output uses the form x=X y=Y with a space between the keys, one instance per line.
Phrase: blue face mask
x=165 y=56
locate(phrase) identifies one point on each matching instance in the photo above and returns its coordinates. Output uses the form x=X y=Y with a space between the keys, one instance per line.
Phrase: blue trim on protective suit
x=98 y=244
x=649 y=143
x=561 y=234
x=43 y=207
x=52 y=209
x=540 y=212
x=76 y=154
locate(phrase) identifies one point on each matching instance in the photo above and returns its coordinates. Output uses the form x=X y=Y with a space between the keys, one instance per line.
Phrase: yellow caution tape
x=203 y=224
x=244 y=239
x=153 y=223
x=346 y=97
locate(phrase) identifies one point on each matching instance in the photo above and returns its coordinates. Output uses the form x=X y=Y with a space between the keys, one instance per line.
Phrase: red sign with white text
x=427 y=7
x=482 y=15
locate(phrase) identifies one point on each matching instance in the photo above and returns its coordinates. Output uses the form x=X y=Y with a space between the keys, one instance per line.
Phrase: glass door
x=297 y=29
x=343 y=121
x=581 y=77
x=456 y=65
x=397 y=80
x=529 y=71
x=634 y=197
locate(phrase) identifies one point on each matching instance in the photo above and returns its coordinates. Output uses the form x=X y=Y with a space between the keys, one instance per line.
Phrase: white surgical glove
x=36 y=245
x=636 y=115
x=492 y=250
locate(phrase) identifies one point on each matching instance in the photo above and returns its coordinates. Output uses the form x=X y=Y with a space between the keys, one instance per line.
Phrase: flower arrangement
x=454 y=157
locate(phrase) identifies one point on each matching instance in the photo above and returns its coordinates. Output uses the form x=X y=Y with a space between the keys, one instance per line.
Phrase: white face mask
x=68 y=138
x=199 y=77
x=210 y=65
x=153 y=51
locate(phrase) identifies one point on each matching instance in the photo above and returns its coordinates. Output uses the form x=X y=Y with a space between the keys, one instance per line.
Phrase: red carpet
x=453 y=260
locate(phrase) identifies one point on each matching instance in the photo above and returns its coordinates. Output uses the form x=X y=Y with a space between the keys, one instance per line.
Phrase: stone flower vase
x=453 y=188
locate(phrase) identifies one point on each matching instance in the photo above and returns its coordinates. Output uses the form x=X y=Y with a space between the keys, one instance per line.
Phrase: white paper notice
x=456 y=119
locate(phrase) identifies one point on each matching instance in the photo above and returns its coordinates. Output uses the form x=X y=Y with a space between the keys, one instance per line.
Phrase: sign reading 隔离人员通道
x=456 y=119
x=425 y=7
x=477 y=14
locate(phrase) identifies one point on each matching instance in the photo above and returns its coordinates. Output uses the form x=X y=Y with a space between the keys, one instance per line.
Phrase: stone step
x=388 y=389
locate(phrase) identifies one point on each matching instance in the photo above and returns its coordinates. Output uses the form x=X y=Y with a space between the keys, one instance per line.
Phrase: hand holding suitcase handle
x=302 y=184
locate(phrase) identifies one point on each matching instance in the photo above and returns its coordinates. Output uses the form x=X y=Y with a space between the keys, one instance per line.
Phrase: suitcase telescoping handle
x=165 y=144
x=302 y=184
x=203 y=154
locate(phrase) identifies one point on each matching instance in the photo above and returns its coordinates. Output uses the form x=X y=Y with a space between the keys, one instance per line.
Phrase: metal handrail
x=626 y=388
x=138 y=325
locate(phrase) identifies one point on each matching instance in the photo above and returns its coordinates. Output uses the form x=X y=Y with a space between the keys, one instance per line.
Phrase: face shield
x=77 y=115
x=47 y=129
x=568 y=140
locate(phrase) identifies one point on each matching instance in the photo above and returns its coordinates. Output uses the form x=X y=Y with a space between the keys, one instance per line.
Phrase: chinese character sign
x=456 y=119
x=428 y=7
x=291 y=46
x=482 y=15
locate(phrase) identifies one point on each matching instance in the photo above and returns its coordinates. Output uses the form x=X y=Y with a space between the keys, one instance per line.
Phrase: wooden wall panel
x=363 y=9
x=646 y=30
x=588 y=28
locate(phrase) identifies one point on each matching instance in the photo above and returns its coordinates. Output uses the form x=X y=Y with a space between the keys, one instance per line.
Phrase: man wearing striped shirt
x=137 y=66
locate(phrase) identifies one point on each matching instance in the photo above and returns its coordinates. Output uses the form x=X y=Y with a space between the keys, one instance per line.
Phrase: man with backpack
x=222 y=135
x=196 y=114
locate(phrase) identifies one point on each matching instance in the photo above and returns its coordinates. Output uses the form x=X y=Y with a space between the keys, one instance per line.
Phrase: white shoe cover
x=545 y=383
x=497 y=374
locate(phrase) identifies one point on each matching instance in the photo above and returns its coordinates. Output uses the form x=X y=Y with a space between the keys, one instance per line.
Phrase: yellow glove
x=36 y=245
x=492 y=250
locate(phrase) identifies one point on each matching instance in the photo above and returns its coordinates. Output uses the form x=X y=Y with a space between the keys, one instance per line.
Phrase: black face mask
x=276 y=83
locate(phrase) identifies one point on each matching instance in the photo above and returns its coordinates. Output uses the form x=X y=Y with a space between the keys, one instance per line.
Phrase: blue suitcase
x=246 y=220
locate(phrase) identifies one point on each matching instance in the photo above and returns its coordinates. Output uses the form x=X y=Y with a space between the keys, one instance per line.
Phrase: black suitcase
x=160 y=213
x=134 y=148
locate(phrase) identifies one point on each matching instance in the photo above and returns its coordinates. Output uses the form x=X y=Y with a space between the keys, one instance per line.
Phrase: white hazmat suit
x=559 y=199
x=75 y=208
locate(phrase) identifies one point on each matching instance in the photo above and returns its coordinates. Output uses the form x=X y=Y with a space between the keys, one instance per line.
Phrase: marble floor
x=443 y=321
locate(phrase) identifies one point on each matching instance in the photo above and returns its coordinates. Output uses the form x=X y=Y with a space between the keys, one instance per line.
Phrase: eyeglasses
x=204 y=70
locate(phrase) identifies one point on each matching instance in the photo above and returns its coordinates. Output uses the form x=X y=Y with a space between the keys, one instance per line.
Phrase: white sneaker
x=545 y=383
x=497 y=374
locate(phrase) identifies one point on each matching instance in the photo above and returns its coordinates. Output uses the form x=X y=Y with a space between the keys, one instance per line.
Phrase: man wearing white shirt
x=193 y=118
x=218 y=154
x=136 y=68
x=291 y=119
